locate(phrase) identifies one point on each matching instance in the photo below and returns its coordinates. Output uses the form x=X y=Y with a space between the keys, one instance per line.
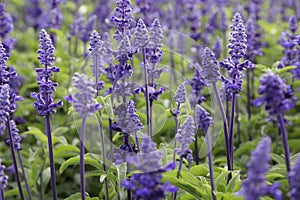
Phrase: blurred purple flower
x=180 y=94
x=202 y=118
x=83 y=101
x=33 y=14
x=87 y=29
x=197 y=83
x=255 y=185
x=185 y=135
x=295 y=180
x=6 y=22
x=54 y=17
x=148 y=185
x=278 y=97
x=76 y=27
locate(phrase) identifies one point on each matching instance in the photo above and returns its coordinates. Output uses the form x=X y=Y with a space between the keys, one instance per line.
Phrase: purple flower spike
x=5 y=105
x=197 y=83
x=148 y=185
x=255 y=185
x=278 y=97
x=17 y=139
x=180 y=94
x=238 y=41
x=293 y=24
x=156 y=35
x=3 y=178
x=6 y=22
x=141 y=35
x=86 y=31
x=202 y=118
x=97 y=51
x=185 y=135
x=83 y=101
x=210 y=66
x=45 y=103
x=295 y=180
x=122 y=16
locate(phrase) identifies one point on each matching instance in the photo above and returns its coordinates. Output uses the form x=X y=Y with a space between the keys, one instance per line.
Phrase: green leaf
x=221 y=179
x=277 y=158
x=60 y=131
x=89 y=159
x=261 y=67
x=273 y=176
x=77 y=196
x=39 y=135
x=199 y=170
x=285 y=69
x=66 y=151
x=233 y=184
x=186 y=186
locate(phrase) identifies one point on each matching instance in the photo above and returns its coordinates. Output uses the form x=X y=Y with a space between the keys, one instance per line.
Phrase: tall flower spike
x=185 y=135
x=54 y=17
x=217 y=48
x=4 y=104
x=6 y=22
x=210 y=66
x=4 y=75
x=141 y=35
x=277 y=95
x=83 y=101
x=17 y=139
x=147 y=185
x=124 y=49
x=86 y=31
x=97 y=51
x=180 y=94
x=239 y=38
x=3 y=177
x=122 y=16
x=255 y=185
x=295 y=180
x=45 y=103
x=156 y=35
x=197 y=83
x=202 y=118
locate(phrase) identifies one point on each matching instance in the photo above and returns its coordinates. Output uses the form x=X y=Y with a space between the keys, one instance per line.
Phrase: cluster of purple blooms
x=147 y=185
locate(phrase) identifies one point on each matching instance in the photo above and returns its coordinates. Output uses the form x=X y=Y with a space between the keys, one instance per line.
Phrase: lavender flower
x=128 y=120
x=197 y=83
x=155 y=35
x=17 y=139
x=83 y=101
x=295 y=180
x=185 y=135
x=290 y=43
x=255 y=185
x=202 y=118
x=76 y=27
x=102 y=11
x=34 y=13
x=180 y=94
x=45 y=104
x=3 y=177
x=278 y=97
x=210 y=67
x=148 y=185
x=86 y=31
x=54 y=17
x=217 y=47
x=5 y=104
x=141 y=35
x=122 y=16
x=253 y=45
x=96 y=51
x=6 y=22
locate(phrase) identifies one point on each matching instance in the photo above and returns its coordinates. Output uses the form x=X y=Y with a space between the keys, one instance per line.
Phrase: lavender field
x=149 y=99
